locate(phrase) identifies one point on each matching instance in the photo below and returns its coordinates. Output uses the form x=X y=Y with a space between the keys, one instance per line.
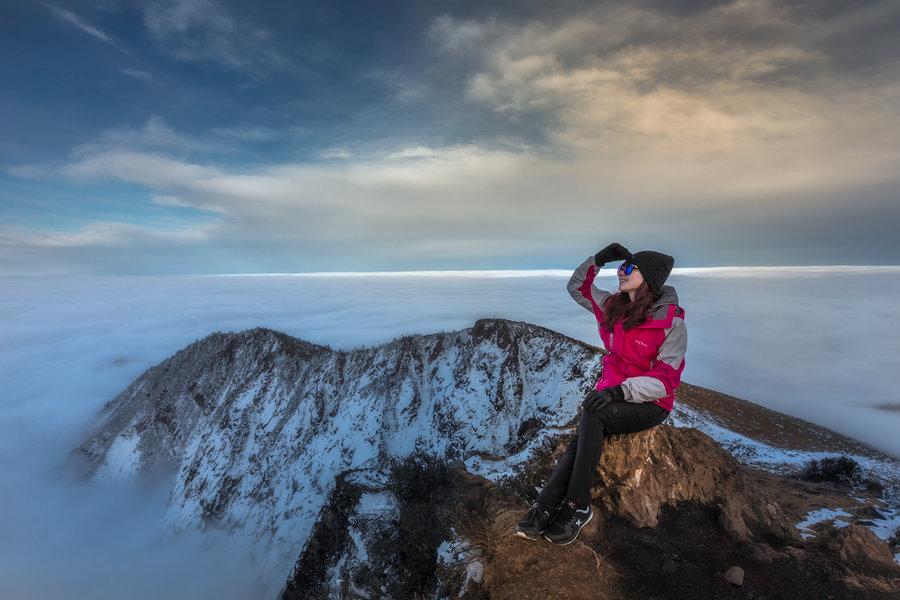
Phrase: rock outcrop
x=864 y=561
x=676 y=517
x=641 y=472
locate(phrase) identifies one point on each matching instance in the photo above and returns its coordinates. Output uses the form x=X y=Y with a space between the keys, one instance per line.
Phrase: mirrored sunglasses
x=627 y=268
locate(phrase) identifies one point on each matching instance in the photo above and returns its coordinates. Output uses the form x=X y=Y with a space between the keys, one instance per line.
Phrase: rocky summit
x=400 y=470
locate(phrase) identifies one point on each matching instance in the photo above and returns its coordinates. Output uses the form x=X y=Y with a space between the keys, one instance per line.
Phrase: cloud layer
x=791 y=340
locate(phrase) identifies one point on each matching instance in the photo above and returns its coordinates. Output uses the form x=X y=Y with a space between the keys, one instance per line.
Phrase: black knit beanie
x=655 y=267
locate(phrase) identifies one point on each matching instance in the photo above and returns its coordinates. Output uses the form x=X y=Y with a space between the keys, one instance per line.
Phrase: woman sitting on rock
x=643 y=330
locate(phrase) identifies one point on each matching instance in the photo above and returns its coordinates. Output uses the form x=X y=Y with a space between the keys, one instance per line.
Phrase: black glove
x=597 y=399
x=614 y=251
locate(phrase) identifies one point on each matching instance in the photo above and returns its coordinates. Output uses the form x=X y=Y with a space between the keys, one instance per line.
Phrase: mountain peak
x=256 y=426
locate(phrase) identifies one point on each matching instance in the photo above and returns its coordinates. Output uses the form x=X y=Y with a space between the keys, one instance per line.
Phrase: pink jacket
x=648 y=359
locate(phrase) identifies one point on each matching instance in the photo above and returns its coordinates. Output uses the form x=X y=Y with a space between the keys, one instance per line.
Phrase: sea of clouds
x=819 y=343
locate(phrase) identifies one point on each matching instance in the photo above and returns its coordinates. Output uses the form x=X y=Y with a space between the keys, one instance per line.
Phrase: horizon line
x=501 y=273
x=558 y=272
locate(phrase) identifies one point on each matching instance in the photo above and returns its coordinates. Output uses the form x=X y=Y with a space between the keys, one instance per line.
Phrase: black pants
x=574 y=473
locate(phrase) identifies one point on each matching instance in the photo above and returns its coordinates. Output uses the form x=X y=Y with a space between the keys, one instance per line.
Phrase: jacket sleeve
x=665 y=372
x=582 y=289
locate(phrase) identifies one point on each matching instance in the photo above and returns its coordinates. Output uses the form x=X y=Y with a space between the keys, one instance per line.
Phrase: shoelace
x=565 y=513
x=537 y=513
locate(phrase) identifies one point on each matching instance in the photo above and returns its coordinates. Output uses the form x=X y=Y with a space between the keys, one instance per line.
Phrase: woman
x=643 y=330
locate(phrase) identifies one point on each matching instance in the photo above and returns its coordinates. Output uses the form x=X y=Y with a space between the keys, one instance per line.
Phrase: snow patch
x=495 y=469
x=122 y=459
x=756 y=453
x=456 y=551
x=836 y=515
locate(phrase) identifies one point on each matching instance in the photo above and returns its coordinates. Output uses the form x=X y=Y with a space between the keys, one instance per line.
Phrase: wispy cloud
x=154 y=134
x=138 y=74
x=403 y=195
x=67 y=16
x=336 y=153
x=254 y=134
x=157 y=135
x=403 y=86
x=102 y=233
x=33 y=171
x=204 y=31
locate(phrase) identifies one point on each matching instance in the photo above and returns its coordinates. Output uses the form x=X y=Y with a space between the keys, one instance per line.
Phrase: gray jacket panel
x=577 y=280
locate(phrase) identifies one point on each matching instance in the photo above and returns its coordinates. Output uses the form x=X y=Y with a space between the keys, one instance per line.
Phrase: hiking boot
x=534 y=522
x=569 y=520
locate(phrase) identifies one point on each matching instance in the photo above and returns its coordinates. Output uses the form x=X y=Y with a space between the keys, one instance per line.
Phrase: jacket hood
x=669 y=296
x=663 y=310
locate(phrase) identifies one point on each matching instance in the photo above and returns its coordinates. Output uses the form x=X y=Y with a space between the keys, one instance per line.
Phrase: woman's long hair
x=619 y=306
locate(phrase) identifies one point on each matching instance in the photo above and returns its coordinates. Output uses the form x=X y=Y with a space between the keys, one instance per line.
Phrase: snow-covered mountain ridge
x=256 y=425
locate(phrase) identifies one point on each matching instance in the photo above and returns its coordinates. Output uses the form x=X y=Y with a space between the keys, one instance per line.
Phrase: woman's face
x=628 y=283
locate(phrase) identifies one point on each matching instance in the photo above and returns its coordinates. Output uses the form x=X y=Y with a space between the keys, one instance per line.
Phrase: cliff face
x=258 y=424
x=297 y=444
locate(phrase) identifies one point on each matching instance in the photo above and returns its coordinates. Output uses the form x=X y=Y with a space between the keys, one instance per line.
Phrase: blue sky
x=199 y=136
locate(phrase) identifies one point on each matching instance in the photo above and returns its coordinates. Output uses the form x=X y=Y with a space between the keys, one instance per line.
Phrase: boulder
x=865 y=561
x=735 y=576
x=856 y=545
x=640 y=472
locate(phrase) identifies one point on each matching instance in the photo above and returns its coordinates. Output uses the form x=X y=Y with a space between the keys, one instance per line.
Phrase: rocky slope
x=290 y=441
x=676 y=517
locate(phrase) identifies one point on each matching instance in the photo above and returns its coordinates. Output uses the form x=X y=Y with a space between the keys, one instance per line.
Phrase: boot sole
x=590 y=516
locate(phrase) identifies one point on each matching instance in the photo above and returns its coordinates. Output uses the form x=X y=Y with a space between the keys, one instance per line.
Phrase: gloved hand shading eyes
x=614 y=251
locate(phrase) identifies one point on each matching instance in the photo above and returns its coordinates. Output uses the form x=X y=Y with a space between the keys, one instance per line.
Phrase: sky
x=71 y=343
x=205 y=136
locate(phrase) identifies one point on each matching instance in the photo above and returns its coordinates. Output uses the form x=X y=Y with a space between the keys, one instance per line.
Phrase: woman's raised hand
x=614 y=251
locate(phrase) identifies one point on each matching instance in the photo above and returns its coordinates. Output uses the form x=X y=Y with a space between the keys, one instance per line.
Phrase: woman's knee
x=610 y=411
x=596 y=421
x=630 y=418
x=617 y=417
